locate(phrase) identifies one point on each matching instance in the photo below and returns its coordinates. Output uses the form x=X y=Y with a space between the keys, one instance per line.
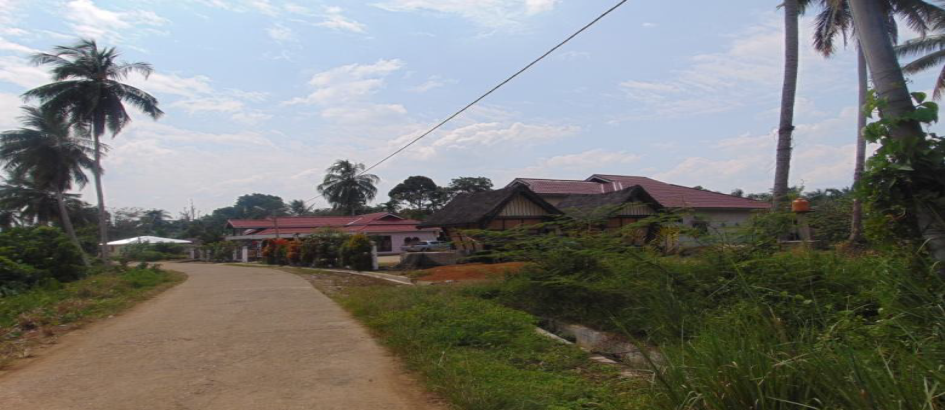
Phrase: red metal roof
x=562 y=186
x=380 y=222
x=668 y=195
x=676 y=196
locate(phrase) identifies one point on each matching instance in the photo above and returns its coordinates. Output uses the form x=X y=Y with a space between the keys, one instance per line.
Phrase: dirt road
x=227 y=338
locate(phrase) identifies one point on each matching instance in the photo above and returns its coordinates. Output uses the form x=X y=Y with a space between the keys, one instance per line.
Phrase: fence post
x=374 y=264
x=245 y=255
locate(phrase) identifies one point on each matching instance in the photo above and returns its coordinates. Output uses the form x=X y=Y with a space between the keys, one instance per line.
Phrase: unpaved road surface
x=228 y=338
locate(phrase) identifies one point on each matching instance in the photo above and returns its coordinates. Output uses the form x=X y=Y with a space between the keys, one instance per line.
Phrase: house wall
x=720 y=223
x=397 y=240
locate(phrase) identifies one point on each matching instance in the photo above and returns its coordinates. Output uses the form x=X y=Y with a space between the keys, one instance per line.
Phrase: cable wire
x=488 y=93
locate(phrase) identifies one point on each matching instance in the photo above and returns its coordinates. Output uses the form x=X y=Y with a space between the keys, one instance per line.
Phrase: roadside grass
x=38 y=315
x=480 y=355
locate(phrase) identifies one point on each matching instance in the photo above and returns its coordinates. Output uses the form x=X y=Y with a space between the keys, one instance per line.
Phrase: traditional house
x=500 y=209
x=702 y=208
x=388 y=231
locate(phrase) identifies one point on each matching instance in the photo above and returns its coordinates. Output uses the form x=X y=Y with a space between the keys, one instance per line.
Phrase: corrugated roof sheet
x=290 y=225
x=676 y=196
x=668 y=195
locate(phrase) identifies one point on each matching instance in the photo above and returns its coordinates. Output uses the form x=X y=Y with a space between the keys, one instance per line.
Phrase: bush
x=15 y=277
x=47 y=250
x=480 y=355
x=749 y=327
x=356 y=252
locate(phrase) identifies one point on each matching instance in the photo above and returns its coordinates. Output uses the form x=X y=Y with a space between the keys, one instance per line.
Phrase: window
x=700 y=225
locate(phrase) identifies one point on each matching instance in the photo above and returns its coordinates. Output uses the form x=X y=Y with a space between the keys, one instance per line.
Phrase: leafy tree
x=297 y=207
x=469 y=185
x=33 y=203
x=51 y=155
x=792 y=11
x=258 y=206
x=907 y=152
x=155 y=222
x=347 y=187
x=46 y=249
x=87 y=85
x=738 y=192
x=834 y=22
x=419 y=192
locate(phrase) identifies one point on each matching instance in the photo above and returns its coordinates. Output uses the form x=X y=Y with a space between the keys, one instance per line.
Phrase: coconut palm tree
x=87 y=85
x=52 y=155
x=792 y=12
x=835 y=22
x=930 y=51
x=872 y=30
x=34 y=204
x=347 y=187
x=297 y=207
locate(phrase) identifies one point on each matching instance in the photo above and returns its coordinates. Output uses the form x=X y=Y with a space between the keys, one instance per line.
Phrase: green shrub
x=15 y=277
x=45 y=249
x=356 y=252
x=481 y=355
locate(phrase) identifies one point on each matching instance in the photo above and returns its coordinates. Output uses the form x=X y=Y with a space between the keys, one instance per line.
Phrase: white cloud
x=539 y=6
x=746 y=161
x=493 y=133
x=649 y=25
x=20 y=72
x=199 y=95
x=9 y=111
x=17 y=48
x=209 y=104
x=431 y=83
x=348 y=83
x=490 y=13
x=91 y=21
x=731 y=78
x=280 y=33
x=363 y=113
x=584 y=162
x=334 y=19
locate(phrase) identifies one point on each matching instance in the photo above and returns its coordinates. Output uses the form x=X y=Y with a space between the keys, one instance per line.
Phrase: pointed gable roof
x=480 y=207
x=590 y=203
x=676 y=196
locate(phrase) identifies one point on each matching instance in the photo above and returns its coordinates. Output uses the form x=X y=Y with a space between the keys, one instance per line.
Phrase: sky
x=263 y=95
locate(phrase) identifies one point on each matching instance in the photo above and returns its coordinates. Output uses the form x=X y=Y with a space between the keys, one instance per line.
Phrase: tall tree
x=297 y=207
x=87 y=85
x=835 y=22
x=930 y=53
x=52 y=156
x=872 y=30
x=418 y=191
x=470 y=185
x=347 y=187
x=32 y=203
x=792 y=11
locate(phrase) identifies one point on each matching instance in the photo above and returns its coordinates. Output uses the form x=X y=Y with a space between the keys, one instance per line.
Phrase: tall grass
x=480 y=355
x=742 y=327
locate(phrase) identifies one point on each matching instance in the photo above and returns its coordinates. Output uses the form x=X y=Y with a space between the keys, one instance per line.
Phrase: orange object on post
x=800 y=205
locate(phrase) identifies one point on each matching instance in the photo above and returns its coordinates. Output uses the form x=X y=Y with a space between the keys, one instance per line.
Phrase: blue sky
x=262 y=95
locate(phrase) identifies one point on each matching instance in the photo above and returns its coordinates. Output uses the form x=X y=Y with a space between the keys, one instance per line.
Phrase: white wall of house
x=721 y=223
x=398 y=240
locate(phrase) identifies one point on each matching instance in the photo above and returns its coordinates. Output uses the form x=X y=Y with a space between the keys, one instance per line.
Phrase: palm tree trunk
x=98 y=129
x=856 y=224
x=67 y=225
x=891 y=86
x=786 y=125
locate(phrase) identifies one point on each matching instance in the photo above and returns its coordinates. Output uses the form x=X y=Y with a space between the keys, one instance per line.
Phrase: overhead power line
x=488 y=93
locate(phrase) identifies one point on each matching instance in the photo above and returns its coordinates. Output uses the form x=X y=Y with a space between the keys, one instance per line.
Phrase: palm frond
x=925 y=62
